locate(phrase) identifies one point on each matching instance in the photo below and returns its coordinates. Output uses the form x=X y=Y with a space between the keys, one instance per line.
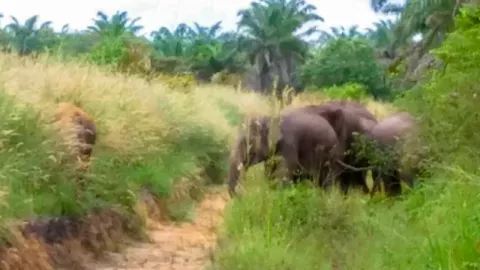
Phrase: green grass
x=433 y=227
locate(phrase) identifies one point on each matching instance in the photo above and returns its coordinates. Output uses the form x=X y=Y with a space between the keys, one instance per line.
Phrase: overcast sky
x=157 y=13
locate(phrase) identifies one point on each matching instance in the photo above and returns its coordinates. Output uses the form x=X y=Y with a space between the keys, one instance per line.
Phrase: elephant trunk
x=237 y=161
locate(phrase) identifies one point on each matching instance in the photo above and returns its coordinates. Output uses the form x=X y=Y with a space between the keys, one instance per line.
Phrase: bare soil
x=174 y=246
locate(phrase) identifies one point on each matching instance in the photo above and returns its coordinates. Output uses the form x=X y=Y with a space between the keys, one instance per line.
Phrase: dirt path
x=186 y=246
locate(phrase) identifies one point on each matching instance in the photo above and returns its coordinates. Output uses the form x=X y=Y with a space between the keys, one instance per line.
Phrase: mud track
x=184 y=246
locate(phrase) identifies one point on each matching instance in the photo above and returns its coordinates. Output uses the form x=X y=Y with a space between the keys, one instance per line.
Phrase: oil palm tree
x=272 y=37
x=174 y=43
x=26 y=38
x=431 y=19
x=340 y=32
x=117 y=25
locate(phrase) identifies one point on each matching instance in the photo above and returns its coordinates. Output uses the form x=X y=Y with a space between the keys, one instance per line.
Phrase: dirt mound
x=184 y=246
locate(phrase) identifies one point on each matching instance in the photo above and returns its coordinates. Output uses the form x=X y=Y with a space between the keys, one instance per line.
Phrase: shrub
x=349 y=91
x=345 y=60
x=130 y=55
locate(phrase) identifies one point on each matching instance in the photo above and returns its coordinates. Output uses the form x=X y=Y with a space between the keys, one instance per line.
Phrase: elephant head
x=251 y=147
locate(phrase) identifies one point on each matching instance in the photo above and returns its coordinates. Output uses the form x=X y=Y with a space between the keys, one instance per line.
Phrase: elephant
x=356 y=120
x=354 y=106
x=251 y=148
x=307 y=143
x=78 y=129
x=390 y=136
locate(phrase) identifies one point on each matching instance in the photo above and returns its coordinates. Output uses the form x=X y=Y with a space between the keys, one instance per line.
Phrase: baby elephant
x=251 y=148
x=307 y=143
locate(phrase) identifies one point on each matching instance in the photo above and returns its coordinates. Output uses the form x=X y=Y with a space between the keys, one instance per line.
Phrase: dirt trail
x=185 y=246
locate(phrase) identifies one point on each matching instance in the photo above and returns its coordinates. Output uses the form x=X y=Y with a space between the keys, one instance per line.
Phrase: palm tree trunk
x=265 y=82
x=283 y=76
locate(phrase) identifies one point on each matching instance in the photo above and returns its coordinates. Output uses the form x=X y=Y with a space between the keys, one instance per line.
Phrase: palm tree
x=270 y=35
x=431 y=19
x=117 y=25
x=26 y=37
x=3 y=37
x=382 y=37
x=386 y=7
x=340 y=32
x=207 y=32
x=174 y=43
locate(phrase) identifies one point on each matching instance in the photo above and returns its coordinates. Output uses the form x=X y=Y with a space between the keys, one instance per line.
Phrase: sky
x=157 y=13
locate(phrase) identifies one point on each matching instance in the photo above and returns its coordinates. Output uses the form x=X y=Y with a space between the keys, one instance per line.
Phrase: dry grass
x=128 y=110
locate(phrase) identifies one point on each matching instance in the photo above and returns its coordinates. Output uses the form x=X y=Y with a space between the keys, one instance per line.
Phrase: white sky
x=157 y=13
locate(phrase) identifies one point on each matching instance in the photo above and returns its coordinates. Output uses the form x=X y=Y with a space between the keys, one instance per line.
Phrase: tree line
x=270 y=43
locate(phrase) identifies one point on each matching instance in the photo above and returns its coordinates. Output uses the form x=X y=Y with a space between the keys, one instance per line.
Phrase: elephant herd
x=323 y=142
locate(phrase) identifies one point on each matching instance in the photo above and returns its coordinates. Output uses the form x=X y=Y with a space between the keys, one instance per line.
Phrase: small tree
x=346 y=60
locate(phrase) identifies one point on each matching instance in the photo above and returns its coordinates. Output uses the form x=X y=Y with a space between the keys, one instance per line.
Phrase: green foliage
x=447 y=104
x=348 y=91
x=345 y=60
x=109 y=51
x=32 y=182
x=303 y=228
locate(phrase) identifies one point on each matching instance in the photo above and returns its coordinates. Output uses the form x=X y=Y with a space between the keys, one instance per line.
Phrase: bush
x=349 y=91
x=345 y=60
x=125 y=54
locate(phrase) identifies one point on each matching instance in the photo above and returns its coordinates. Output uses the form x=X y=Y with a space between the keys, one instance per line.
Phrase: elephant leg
x=344 y=180
x=393 y=185
x=359 y=180
x=354 y=179
x=290 y=155
x=347 y=180
x=377 y=176
x=333 y=172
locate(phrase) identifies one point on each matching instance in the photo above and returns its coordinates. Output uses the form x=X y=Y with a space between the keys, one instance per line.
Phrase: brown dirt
x=184 y=246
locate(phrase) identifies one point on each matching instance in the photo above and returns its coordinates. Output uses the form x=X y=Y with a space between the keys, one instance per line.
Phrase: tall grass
x=148 y=136
x=434 y=226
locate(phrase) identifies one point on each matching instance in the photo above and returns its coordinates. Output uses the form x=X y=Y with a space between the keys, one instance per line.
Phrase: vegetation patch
x=157 y=150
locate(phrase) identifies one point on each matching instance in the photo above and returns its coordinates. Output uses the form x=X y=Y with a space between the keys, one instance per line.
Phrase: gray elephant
x=307 y=143
x=356 y=120
x=390 y=136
